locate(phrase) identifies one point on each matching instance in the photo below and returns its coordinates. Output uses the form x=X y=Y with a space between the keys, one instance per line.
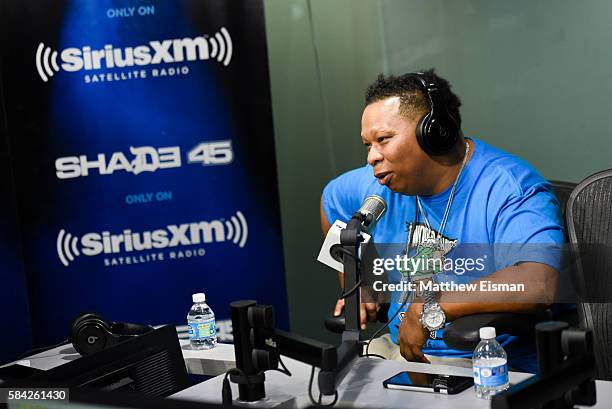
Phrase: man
x=443 y=191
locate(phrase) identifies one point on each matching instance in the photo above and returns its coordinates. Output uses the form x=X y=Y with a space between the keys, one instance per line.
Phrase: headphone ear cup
x=453 y=132
x=438 y=131
x=436 y=136
x=421 y=132
x=90 y=333
x=77 y=322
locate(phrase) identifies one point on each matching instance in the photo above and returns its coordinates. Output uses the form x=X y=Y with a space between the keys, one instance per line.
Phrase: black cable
x=332 y=403
x=416 y=218
x=386 y=324
x=372 y=355
x=318 y=402
x=285 y=370
x=31 y=351
x=348 y=253
x=343 y=295
x=310 y=386
x=226 y=389
x=356 y=287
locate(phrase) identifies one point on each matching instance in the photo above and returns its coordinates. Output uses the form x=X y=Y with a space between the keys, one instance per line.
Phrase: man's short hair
x=413 y=102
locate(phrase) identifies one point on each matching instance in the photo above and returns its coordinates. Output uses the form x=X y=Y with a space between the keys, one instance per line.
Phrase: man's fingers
x=413 y=353
x=372 y=310
x=339 y=308
x=367 y=312
x=419 y=356
x=405 y=351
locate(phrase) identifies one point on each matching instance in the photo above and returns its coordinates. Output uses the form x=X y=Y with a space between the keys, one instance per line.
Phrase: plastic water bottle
x=489 y=365
x=201 y=321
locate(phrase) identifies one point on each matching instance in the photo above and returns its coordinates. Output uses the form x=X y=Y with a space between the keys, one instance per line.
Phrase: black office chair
x=563 y=190
x=589 y=223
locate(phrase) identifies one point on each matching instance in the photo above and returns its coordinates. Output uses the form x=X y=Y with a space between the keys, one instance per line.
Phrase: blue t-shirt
x=499 y=199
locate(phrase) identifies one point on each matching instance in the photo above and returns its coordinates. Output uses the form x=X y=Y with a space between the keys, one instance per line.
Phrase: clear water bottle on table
x=201 y=321
x=489 y=365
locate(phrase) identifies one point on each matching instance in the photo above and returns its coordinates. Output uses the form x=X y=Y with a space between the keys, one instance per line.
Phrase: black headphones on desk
x=438 y=131
x=91 y=333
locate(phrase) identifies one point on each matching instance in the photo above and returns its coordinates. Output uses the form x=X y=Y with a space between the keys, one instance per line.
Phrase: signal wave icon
x=46 y=62
x=67 y=247
x=221 y=46
x=234 y=229
x=217 y=46
x=237 y=229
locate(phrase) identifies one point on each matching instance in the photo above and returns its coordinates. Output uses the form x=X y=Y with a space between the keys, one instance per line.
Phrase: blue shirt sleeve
x=342 y=195
x=528 y=226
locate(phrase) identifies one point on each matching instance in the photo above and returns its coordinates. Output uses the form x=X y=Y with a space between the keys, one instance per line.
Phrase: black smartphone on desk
x=428 y=382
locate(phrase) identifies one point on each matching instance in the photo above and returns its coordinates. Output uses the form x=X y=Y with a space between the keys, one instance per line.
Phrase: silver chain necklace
x=450 y=198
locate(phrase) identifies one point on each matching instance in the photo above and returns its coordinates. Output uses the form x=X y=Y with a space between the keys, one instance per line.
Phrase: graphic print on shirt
x=429 y=250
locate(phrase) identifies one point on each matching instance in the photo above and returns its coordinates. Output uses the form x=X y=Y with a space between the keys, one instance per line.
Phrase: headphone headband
x=430 y=88
x=91 y=333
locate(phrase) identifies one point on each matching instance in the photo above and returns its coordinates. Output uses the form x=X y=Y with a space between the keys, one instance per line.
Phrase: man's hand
x=367 y=313
x=412 y=335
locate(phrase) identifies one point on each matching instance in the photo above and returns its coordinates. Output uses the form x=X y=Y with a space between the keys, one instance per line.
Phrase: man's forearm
x=539 y=282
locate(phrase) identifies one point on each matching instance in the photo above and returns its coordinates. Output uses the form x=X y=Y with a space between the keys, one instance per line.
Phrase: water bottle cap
x=487 y=332
x=198 y=297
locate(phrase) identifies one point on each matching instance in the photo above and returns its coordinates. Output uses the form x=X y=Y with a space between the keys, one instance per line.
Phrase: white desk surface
x=362 y=386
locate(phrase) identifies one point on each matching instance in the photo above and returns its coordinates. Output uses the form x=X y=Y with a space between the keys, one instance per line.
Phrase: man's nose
x=374 y=156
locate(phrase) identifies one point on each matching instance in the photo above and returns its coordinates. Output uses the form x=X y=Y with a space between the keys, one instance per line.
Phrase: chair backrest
x=562 y=190
x=565 y=311
x=589 y=224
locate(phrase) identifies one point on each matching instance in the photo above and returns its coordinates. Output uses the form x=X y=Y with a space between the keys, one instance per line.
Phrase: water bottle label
x=202 y=330
x=491 y=375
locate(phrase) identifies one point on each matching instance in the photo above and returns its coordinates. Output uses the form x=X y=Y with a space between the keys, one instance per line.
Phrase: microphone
x=371 y=211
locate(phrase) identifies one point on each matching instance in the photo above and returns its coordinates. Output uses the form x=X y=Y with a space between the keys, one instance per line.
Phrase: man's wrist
x=414 y=311
x=414 y=314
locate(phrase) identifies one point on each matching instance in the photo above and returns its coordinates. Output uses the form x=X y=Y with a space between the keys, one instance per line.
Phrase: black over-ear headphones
x=91 y=333
x=438 y=131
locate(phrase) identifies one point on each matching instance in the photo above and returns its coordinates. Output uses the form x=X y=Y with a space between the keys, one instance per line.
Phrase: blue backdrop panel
x=144 y=158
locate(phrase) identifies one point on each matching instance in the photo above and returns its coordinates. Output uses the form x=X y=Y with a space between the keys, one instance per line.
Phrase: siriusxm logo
x=217 y=46
x=234 y=230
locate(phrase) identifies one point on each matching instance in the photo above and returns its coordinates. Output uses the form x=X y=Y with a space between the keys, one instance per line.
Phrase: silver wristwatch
x=432 y=318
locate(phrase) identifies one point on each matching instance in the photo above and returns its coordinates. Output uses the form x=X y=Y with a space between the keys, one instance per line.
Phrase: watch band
x=431 y=297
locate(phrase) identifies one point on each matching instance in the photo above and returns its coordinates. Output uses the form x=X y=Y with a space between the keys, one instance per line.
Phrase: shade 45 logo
x=234 y=230
x=217 y=46
x=144 y=159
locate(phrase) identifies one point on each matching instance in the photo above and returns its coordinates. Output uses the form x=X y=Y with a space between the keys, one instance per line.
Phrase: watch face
x=434 y=318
